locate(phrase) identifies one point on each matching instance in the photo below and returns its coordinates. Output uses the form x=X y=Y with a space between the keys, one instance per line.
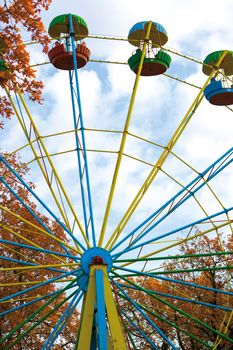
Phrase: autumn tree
x=20 y=228
x=170 y=306
x=16 y=17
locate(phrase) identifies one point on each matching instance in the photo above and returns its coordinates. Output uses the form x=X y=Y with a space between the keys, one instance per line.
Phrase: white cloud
x=194 y=27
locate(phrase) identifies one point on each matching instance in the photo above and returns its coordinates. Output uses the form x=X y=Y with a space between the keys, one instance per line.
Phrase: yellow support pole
x=88 y=309
x=116 y=340
x=116 y=329
x=178 y=132
x=110 y=343
x=124 y=136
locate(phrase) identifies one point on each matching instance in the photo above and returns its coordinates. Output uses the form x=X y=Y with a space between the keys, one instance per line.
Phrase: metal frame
x=103 y=322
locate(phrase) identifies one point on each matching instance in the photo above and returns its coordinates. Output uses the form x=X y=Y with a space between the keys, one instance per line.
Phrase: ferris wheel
x=116 y=271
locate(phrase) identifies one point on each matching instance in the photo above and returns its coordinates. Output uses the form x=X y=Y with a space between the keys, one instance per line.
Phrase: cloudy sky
x=195 y=28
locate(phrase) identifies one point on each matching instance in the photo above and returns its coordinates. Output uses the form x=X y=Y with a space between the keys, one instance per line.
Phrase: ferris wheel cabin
x=155 y=60
x=220 y=90
x=60 y=55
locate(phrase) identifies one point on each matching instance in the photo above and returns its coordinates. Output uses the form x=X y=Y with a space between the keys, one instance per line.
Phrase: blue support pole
x=153 y=325
x=101 y=314
x=42 y=250
x=189 y=284
x=117 y=255
x=186 y=188
x=2 y=159
x=82 y=129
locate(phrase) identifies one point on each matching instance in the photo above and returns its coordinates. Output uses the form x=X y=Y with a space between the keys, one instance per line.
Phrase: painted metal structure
x=154 y=63
x=219 y=92
x=103 y=266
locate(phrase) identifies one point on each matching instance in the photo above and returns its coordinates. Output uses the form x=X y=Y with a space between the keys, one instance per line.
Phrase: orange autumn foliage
x=214 y=317
x=9 y=225
x=16 y=17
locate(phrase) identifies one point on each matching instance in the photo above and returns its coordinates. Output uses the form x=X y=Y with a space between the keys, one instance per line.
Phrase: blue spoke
x=39 y=200
x=166 y=295
x=82 y=131
x=42 y=250
x=153 y=325
x=197 y=179
x=61 y=323
x=117 y=255
x=79 y=156
x=29 y=264
x=174 y=280
x=39 y=285
x=34 y=301
x=139 y=330
x=32 y=213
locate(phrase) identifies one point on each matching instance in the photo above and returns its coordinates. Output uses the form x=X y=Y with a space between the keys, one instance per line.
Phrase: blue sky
x=195 y=28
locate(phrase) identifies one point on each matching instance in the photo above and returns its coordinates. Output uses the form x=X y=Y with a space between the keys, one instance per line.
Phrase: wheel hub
x=93 y=256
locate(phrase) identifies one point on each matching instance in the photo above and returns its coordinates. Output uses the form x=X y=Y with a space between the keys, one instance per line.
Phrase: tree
x=15 y=230
x=206 y=270
x=17 y=16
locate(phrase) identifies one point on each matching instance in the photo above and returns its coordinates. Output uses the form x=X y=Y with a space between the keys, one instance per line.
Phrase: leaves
x=13 y=229
x=187 y=329
x=15 y=17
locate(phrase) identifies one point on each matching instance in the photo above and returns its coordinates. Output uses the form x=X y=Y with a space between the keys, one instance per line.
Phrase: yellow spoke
x=181 y=241
x=37 y=158
x=123 y=140
x=30 y=242
x=16 y=252
x=178 y=132
x=39 y=229
x=13 y=284
x=37 y=267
